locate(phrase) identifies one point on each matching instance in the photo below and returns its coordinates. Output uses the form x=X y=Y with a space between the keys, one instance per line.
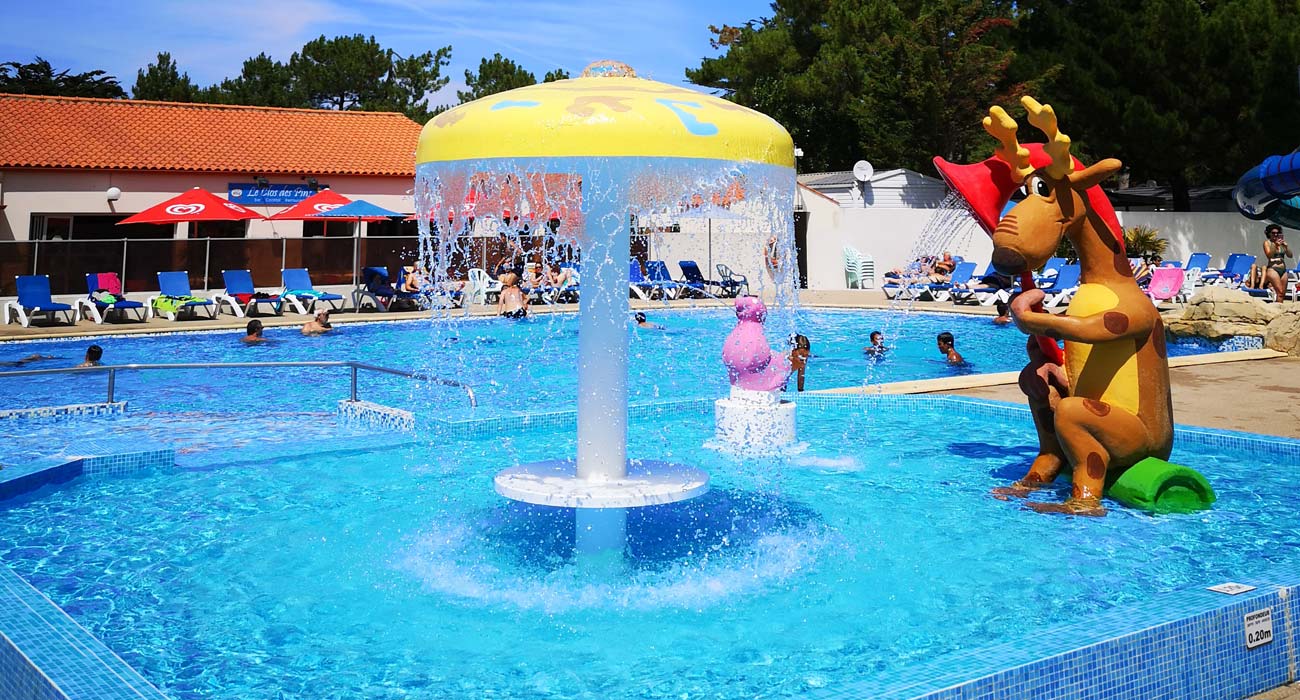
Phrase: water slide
x=1271 y=191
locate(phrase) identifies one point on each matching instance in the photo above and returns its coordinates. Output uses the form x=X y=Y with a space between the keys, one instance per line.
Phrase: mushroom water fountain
x=589 y=156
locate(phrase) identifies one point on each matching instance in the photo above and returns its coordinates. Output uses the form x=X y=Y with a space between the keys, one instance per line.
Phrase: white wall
x=888 y=235
x=1216 y=233
x=28 y=192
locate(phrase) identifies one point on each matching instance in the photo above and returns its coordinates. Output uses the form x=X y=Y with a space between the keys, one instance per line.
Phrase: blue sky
x=210 y=40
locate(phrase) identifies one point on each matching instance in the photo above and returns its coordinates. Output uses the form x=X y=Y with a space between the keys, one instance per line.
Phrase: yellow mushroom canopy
x=607 y=116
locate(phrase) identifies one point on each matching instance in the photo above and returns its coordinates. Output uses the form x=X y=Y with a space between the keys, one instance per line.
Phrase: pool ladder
x=353 y=368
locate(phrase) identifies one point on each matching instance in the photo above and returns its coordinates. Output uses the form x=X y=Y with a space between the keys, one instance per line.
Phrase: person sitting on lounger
x=511 y=303
x=254 y=333
x=948 y=346
x=945 y=265
x=318 y=325
x=415 y=279
x=93 y=355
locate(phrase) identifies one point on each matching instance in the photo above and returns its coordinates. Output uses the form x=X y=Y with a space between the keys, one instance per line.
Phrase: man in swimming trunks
x=1276 y=251
x=641 y=322
x=511 y=303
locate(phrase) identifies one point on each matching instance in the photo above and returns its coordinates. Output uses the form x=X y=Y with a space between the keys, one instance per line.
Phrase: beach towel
x=169 y=304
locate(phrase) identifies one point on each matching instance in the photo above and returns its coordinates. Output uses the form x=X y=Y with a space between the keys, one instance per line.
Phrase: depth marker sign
x=1259 y=628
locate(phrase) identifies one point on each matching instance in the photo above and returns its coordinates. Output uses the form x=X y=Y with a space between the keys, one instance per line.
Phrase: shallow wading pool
x=397 y=572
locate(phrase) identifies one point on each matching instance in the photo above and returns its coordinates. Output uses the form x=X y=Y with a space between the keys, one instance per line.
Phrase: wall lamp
x=113 y=193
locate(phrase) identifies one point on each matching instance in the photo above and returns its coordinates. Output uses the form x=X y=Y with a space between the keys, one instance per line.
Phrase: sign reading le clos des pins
x=251 y=193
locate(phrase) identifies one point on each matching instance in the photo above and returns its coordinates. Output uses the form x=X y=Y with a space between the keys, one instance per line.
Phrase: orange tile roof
x=103 y=134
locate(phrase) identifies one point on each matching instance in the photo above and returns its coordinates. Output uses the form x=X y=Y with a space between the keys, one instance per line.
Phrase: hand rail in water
x=112 y=371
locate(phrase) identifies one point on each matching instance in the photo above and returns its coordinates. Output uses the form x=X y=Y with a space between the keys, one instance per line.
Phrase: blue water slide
x=1271 y=191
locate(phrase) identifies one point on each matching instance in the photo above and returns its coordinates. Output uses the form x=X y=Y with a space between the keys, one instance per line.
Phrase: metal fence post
x=112 y=382
x=284 y=253
x=207 y=257
x=123 y=278
x=36 y=253
x=354 y=382
x=356 y=248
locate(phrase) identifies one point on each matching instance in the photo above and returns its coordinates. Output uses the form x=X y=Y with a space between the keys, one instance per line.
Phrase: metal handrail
x=352 y=365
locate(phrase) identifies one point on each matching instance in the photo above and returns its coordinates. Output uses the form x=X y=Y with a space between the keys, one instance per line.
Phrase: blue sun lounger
x=657 y=271
x=240 y=283
x=34 y=298
x=1063 y=288
x=301 y=296
x=978 y=291
x=174 y=297
x=961 y=275
x=694 y=280
x=99 y=309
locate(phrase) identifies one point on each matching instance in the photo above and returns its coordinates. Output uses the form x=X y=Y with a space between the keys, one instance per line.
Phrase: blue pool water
x=514 y=367
x=397 y=572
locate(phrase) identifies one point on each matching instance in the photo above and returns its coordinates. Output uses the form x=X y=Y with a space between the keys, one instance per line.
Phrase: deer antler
x=1058 y=144
x=1002 y=127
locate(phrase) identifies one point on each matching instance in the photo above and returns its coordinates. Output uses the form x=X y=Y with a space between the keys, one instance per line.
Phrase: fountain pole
x=603 y=339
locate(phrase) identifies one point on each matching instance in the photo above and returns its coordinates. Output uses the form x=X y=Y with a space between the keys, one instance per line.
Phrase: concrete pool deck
x=1253 y=390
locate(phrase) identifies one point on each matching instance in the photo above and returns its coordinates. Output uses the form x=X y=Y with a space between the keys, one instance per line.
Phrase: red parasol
x=307 y=209
x=197 y=204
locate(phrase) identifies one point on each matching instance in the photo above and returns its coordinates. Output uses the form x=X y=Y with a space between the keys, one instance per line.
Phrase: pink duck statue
x=750 y=362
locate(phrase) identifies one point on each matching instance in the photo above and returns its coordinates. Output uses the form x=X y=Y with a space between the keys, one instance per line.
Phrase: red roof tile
x=101 y=134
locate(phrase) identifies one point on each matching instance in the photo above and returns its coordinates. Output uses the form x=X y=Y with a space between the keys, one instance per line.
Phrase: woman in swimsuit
x=511 y=303
x=1276 y=251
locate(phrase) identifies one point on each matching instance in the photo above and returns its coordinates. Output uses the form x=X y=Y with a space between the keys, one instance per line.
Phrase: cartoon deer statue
x=1107 y=405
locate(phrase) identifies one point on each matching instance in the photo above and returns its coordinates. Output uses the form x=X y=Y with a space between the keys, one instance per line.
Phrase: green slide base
x=1157 y=486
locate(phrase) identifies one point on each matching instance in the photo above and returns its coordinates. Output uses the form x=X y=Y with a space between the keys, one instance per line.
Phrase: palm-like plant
x=1144 y=241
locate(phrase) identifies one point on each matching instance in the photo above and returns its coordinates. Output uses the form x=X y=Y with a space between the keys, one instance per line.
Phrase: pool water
x=397 y=572
x=514 y=367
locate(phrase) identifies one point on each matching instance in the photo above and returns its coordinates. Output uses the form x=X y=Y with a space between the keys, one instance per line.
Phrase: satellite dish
x=862 y=171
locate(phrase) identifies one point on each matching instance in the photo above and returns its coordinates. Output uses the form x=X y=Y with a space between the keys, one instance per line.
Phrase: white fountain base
x=555 y=482
x=754 y=421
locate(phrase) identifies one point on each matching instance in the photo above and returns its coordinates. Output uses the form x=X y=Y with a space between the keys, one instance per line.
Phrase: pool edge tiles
x=1186 y=644
x=20 y=479
x=56 y=657
x=81 y=410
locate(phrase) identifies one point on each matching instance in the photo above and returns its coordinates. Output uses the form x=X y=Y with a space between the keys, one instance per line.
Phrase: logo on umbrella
x=184 y=209
x=323 y=207
x=234 y=207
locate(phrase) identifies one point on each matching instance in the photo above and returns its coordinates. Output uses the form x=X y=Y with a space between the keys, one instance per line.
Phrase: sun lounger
x=1063 y=288
x=429 y=296
x=1231 y=271
x=978 y=291
x=375 y=287
x=100 y=287
x=694 y=280
x=174 y=297
x=640 y=285
x=657 y=272
x=1166 y=284
x=733 y=284
x=301 y=295
x=242 y=297
x=34 y=298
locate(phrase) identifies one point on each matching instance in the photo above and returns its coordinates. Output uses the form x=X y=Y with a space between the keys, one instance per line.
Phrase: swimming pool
x=397 y=572
x=514 y=367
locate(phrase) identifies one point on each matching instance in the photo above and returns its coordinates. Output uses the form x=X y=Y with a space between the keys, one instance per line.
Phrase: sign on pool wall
x=251 y=193
x=1259 y=628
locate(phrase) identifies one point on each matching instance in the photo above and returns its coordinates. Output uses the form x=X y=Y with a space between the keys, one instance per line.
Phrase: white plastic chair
x=480 y=285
